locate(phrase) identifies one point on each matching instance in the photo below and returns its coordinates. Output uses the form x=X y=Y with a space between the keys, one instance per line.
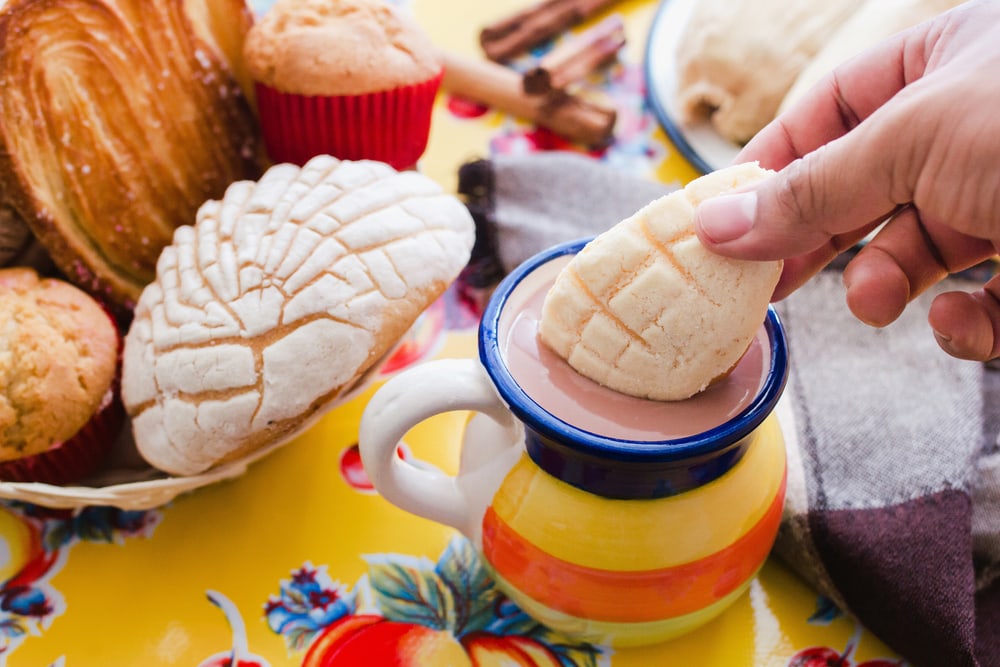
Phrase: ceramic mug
x=609 y=540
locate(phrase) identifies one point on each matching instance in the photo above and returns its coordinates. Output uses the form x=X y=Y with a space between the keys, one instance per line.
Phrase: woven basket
x=131 y=484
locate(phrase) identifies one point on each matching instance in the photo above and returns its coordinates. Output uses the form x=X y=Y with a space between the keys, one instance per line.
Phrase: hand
x=908 y=132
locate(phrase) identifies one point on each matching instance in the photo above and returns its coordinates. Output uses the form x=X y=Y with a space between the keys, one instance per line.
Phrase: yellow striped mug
x=608 y=539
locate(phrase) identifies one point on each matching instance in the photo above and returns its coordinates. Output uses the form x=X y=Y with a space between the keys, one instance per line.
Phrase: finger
x=840 y=101
x=797 y=270
x=905 y=257
x=967 y=326
x=837 y=189
x=877 y=289
x=840 y=154
x=896 y=265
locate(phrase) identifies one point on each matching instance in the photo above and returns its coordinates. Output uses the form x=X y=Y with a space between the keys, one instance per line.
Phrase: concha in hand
x=277 y=299
x=645 y=309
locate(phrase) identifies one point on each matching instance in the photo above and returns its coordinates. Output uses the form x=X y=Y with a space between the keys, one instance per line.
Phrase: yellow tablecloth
x=269 y=562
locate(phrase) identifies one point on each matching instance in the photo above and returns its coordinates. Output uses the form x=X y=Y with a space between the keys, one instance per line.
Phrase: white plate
x=705 y=148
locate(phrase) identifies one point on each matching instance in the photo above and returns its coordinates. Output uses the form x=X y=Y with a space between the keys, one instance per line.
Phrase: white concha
x=645 y=309
x=277 y=299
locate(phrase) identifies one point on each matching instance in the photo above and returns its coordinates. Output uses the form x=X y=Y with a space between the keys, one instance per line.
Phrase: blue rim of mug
x=606 y=448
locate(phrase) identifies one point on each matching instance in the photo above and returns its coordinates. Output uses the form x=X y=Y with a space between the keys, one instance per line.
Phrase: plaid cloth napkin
x=893 y=508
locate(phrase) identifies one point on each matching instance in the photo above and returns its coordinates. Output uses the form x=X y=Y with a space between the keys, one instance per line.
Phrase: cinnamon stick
x=578 y=120
x=531 y=26
x=576 y=57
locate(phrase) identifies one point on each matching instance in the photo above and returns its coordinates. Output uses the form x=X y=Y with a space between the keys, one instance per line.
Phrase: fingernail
x=727 y=217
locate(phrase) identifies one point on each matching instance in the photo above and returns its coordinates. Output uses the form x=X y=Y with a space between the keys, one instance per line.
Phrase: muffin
x=355 y=79
x=59 y=405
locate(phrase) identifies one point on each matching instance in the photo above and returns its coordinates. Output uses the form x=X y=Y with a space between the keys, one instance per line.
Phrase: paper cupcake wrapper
x=77 y=457
x=390 y=126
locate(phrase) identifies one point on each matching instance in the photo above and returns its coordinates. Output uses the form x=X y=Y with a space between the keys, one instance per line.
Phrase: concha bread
x=278 y=297
x=645 y=309
x=118 y=118
x=873 y=22
x=736 y=59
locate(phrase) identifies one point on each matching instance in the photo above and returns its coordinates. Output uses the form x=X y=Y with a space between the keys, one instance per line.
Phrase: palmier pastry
x=277 y=300
x=118 y=119
x=15 y=236
x=645 y=309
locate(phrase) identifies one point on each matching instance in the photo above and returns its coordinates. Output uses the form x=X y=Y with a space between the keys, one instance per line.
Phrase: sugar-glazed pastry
x=645 y=309
x=118 y=118
x=277 y=299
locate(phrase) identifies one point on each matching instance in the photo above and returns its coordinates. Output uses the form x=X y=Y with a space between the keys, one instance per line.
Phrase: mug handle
x=404 y=401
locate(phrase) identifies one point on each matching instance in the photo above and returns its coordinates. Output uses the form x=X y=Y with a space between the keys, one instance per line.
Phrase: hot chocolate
x=577 y=400
x=613 y=541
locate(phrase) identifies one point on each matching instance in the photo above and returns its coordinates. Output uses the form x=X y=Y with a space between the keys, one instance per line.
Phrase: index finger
x=842 y=99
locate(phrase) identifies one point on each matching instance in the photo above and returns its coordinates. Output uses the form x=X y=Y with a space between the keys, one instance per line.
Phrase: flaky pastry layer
x=118 y=119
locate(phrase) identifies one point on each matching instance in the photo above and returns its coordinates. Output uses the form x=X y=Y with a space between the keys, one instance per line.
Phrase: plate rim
x=654 y=98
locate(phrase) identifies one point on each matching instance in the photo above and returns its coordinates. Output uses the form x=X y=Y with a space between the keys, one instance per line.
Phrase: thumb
x=829 y=195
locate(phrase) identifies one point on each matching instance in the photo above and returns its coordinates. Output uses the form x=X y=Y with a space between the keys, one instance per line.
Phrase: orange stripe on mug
x=609 y=534
x=628 y=596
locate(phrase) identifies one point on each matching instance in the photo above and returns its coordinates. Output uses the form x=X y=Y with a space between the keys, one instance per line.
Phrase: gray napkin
x=539 y=199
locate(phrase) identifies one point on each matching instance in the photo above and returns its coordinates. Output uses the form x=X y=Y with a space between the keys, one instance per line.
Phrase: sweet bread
x=736 y=59
x=645 y=309
x=281 y=295
x=118 y=119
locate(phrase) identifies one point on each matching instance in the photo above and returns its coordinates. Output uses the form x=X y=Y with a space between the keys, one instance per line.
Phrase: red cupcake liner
x=390 y=126
x=77 y=457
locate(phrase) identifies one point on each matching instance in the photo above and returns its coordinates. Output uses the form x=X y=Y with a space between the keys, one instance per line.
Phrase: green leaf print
x=410 y=591
x=474 y=591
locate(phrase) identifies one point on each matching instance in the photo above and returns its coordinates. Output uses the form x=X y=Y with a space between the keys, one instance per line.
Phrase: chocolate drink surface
x=577 y=400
